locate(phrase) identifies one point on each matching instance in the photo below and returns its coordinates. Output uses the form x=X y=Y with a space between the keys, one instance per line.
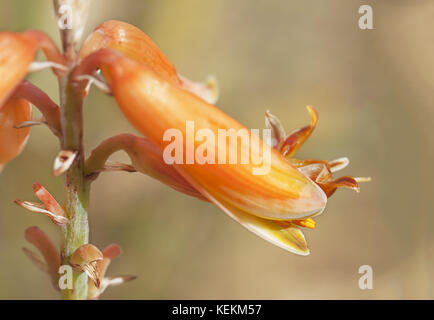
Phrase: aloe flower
x=273 y=205
x=17 y=53
x=259 y=184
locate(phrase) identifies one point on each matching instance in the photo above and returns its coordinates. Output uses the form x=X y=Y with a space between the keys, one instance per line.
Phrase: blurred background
x=374 y=93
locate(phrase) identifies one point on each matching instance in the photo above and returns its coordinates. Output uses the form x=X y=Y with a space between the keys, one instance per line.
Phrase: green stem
x=77 y=187
x=76 y=233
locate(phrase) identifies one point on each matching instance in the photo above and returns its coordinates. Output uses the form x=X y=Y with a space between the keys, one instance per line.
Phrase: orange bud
x=17 y=52
x=13 y=140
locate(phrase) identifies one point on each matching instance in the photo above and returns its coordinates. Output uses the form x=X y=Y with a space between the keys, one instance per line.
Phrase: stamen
x=306 y=223
x=338 y=164
x=28 y=124
x=103 y=86
x=363 y=179
x=41 y=65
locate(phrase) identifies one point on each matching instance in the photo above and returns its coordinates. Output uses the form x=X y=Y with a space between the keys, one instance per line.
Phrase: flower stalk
x=76 y=233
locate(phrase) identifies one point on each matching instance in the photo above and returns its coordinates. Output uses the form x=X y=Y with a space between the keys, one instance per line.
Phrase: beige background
x=374 y=93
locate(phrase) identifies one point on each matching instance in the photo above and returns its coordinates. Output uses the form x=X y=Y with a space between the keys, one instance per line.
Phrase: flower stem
x=76 y=186
x=76 y=233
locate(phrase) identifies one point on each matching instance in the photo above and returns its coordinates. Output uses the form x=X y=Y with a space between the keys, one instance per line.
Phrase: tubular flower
x=135 y=44
x=266 y=204
x=12 y=140
x=17 y=52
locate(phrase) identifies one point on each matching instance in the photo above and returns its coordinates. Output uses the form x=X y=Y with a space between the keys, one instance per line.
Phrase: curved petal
x=51 y=255
x=12 y=140
x=296 y=139
x=283 y=234
x=153 y=105
x=277 y=130
x=135 y=44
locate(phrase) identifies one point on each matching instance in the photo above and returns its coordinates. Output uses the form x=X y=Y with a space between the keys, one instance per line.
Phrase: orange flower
x=12 y=140
x=156 y=100
x=265 y=204
x=17 y=52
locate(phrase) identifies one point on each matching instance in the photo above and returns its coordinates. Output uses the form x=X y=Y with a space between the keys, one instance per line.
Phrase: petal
x=283 y=234
x=86 y=259
x=342 y=182
x=12 y=140
x=153 y=105
x=16 y=55
x=109 y=253
x=48 y=200
x=321 y=173
x=59 y=220
x=338 y=164
x=135 y=44
x=39 y=239
x=147 y=158
x=318 y=172
x=37 y=260
x=296 y=139
x=277 y=130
